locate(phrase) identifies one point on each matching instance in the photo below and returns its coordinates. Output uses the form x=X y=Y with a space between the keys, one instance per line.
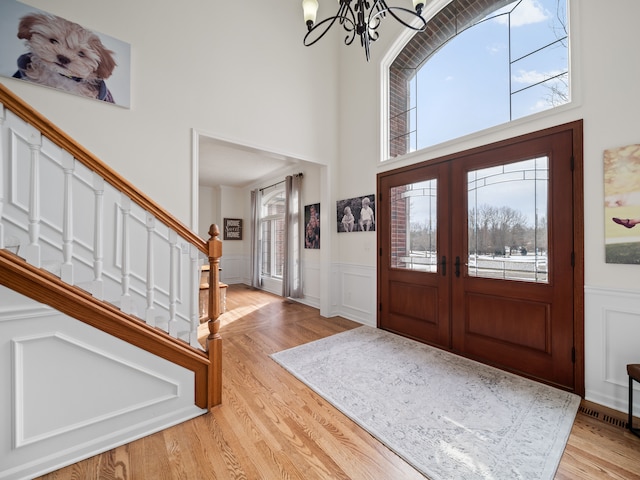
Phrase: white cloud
x=533 y=76
x=495 y=48
x=529 y=11
x=539 y=106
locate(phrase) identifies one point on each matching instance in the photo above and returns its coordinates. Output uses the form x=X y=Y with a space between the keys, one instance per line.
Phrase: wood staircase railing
x=64 y=141
x=42 y=286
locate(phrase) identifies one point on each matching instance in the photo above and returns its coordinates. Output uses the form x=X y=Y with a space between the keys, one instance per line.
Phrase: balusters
x=194 y=289
x=97 y=289
x=32 y=250
x=125 y=299
x=173 y=282
x=84 y=248
x=68 y=166
x=150 y=314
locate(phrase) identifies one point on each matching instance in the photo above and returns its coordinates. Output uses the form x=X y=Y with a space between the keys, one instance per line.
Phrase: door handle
x=444 y=266
x=457 y=266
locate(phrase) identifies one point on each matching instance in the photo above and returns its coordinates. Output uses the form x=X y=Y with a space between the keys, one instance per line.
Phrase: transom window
x=480 y=63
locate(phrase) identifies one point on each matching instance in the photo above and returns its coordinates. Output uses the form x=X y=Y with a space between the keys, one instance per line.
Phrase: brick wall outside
x=399 y=234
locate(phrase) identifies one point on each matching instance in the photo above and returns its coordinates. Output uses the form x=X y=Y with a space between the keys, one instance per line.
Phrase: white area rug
x=449 y=417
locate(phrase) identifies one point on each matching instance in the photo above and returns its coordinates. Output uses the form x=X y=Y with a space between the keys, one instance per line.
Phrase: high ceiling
x=228 y=164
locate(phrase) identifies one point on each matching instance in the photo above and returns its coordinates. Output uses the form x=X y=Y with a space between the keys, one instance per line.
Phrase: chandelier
x=362 y=20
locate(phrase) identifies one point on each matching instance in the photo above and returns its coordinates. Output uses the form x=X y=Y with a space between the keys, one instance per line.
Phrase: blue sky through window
x=513 y=64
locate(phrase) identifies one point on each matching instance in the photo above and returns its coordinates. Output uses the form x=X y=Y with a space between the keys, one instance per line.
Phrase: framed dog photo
x=48 y=50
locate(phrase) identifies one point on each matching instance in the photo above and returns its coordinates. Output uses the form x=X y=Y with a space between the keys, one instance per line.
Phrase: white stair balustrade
x=32 y=250
x=61 y=215
x=150 y=314
x=16 y=179
x=98 y=237
x=173 y=282
x=126 y=302
x=88 y=230
x=52 y=205
x=195 y=264
x=66 y=272
x=33 y=194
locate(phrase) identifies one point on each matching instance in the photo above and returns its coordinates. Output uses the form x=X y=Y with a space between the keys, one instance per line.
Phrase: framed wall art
x=356 y=214
x=55 y=52
x=622 y=204
x=312 y=226
x=232 y=229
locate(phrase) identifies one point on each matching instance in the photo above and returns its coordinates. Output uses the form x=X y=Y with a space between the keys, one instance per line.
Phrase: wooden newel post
x=214 y=340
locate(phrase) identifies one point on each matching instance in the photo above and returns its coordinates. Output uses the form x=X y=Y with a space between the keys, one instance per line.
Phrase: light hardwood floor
x=270 y=426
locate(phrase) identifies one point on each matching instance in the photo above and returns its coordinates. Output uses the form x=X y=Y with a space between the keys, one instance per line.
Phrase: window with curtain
x=479 y=64
x=272 y=234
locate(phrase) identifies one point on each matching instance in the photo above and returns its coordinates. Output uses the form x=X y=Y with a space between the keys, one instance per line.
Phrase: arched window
x=272 y=233
x=480 y=63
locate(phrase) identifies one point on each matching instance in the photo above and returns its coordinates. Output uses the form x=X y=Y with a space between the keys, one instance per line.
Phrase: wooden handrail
x=84 y=156
x=46 y=288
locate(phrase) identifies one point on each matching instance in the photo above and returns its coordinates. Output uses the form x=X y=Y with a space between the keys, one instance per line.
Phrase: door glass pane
x=508 y=215
x=414 y=226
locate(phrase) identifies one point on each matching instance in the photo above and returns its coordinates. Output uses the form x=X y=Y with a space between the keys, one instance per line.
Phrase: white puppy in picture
x=64 y=55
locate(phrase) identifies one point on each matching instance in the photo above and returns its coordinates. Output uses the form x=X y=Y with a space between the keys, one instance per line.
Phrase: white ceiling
x=222 y=163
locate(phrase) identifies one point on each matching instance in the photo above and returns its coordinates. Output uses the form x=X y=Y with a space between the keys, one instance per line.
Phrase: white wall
x=229 y=68
x=233 y=251
x=208 y=209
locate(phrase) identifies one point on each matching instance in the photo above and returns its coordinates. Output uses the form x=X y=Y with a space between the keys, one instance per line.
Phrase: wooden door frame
x=576 y=129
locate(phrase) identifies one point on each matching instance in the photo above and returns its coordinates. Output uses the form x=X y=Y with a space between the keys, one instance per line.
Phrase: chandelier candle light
x=362 y=20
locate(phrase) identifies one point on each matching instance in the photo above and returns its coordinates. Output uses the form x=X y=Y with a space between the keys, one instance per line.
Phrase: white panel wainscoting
x=353 y=291
x=356 y=293
x=72 y=391
x=310 y=284
x=233 y=267
x=612 y=340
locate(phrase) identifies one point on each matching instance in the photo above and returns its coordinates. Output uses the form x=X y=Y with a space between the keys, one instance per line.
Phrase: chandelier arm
x=379 y=5
x=345 y=17
x=390 y=10
x=348 y=21
x=325 y=25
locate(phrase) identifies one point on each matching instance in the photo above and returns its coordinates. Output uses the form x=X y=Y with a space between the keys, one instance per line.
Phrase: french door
x=477 y=255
